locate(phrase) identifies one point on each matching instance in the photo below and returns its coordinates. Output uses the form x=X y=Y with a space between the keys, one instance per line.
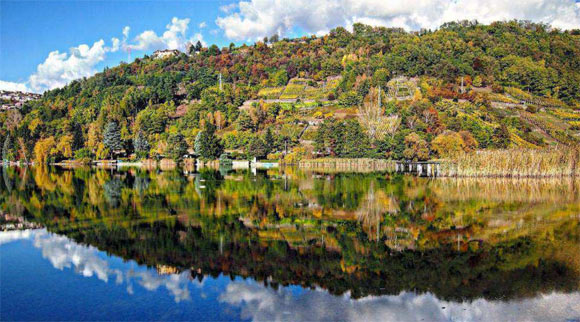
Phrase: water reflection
x=260 y=303
x=374 y=244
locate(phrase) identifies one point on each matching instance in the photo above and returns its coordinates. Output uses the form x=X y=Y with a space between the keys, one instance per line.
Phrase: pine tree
x=112 y=137
x=207 y=144
x=269 y=140
x=177 y=146
x=141 y=145
x=6 y=148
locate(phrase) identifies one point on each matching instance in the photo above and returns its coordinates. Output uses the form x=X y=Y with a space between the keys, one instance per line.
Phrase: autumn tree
x=373 y=119
x=416 y=148
x=43 y=149
x=448 y=144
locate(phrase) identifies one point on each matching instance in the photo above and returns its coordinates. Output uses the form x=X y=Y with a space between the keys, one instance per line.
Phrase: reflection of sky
x=87 y=261
x=263 y=304
x=259 y=303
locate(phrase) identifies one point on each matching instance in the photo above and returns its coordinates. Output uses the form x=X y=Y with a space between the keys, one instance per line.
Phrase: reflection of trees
x=112 y=191
x=374 y=206
x=346 y=232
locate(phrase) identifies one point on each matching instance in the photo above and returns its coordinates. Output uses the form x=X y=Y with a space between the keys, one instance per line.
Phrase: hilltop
x=373 y=92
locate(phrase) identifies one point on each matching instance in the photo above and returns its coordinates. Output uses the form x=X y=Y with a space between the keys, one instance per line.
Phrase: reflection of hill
x=363 y=233
x=505 y=270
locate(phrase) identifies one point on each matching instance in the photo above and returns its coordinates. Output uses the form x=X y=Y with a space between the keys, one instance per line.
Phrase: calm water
x=285 y=245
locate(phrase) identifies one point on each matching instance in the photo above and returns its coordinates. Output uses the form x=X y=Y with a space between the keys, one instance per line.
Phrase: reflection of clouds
x=263 y=304
x=14 y=235
x=65 y=253
x=174 y=283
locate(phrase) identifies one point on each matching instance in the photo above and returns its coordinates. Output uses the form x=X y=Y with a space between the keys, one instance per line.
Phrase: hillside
x=462 y=87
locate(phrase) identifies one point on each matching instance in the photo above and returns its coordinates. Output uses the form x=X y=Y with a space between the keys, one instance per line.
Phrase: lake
x=284 y=244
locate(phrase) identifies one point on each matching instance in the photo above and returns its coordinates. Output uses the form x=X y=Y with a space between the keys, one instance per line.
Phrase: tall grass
x=516 y=163
x=351 y=165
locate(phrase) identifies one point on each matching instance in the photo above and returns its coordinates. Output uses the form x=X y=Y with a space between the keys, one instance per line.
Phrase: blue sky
x=31 y=32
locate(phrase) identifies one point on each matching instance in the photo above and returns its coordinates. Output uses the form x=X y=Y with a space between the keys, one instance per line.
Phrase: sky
x=46 y=44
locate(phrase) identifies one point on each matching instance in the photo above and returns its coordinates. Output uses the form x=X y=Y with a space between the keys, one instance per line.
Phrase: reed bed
x=553 y=190
x=348 y=165
x=516 y=163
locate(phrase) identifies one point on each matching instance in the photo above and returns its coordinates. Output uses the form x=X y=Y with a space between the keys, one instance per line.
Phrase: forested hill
x=463 y=86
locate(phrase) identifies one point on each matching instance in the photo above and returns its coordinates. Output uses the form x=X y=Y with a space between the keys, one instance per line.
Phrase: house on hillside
x=165 y=53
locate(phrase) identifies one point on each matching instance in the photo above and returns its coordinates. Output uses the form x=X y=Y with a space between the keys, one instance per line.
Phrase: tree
x=471 y=143
x=448 y=144
x=177 y=147
x=281 y=77
x=112 y=138
x=141 y=145
x=373 y=119
x=6 y=153
x=207 y=144
x=274 y=38
x=257 y=148
x=501 y=137
x=198 y=46
x=416 y=149
x=269 y=140
x=43 y=149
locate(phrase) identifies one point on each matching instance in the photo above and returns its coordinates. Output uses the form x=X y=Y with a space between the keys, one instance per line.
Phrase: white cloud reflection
x=264 y=304
x=63 y=252
x=260 y=303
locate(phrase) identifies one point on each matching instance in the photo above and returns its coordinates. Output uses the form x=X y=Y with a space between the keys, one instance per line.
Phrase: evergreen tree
x=6 y=149
x=112 y=137
x=198 y=46
x=177 y=146
x=207 y=144
x=269 y=140
x=141 y=145
x=257 y=148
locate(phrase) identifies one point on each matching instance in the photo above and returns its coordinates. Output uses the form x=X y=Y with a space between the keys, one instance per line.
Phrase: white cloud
x=59 y=69
x=258 y=18
x=173 y=38
x=88 y=261
x=12 y=86
x=259 y=303
x=202 y=25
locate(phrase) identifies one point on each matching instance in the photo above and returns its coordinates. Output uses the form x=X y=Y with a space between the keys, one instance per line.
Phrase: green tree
x=501 y=137
x=6 y=153
x=141 y=145
x=112 y=137
x=257 y=148
x=177 y=147
x=207 y=144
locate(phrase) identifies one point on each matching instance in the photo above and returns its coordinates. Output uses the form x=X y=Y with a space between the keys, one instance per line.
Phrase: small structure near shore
x=420 y=169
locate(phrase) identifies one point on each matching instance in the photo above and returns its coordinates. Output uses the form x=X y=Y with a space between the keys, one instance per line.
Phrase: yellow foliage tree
x=64 y=146
x=448 y=144
x=43 y=149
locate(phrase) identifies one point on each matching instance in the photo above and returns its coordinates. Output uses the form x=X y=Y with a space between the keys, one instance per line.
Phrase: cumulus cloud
x=60 y=68
x=88 y=261
x=257 y=18
x=263 y=304
x=12 y=86
x=173 y=38
x=202 y=25
x=14 y=235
